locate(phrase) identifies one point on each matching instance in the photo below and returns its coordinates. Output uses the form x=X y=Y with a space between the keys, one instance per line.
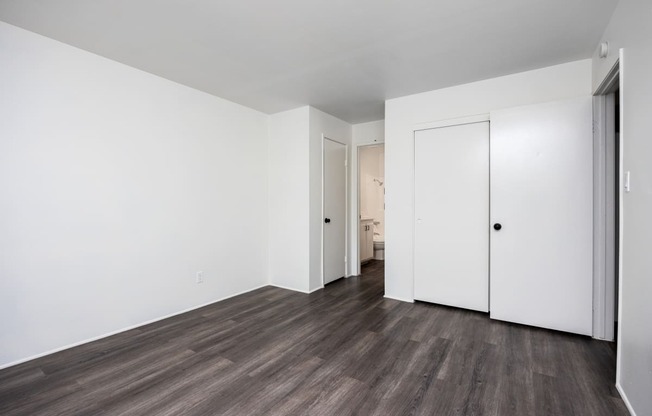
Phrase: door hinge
x=346 y=162
x=344 y=259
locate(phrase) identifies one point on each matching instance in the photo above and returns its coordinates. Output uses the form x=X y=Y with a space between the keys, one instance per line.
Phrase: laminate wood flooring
x=344 y=350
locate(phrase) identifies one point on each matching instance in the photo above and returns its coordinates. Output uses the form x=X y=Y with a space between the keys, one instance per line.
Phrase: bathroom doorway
x=371 y=203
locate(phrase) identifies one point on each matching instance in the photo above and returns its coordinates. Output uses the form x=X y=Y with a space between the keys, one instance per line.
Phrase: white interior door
x=541 y=195
x=334 y=210
x=451 y=263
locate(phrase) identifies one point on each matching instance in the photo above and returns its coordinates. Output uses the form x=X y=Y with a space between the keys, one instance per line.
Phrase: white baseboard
x=307 y=292
x=129 y=328
x=289 y=288
x=625 y=399
x=401 y=299
x=316 y=289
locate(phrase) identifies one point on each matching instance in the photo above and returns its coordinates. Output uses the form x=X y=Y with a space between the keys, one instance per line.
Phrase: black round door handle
x=497 y=226
x=327 y=220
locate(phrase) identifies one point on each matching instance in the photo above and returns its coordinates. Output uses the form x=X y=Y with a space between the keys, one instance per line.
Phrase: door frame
x=604 y=288
x=346 y=203
x=356 y=230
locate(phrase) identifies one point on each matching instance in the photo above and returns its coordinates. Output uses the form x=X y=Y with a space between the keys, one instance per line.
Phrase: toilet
x=379 y=247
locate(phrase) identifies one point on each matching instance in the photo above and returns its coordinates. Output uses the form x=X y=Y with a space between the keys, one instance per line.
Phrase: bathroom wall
x=372 y=187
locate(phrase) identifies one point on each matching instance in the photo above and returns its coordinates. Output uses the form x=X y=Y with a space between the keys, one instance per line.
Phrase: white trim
x=307 y=292
x=323 y=136
x=605 y=87
x=604 y=222
x=599 y=215
x=621 y=219
x=399 y=299
x=479 y=118
x=347 y=219
x=625 y=399
x=315 y=289
x=321 y=246
x=608 y=84
x=604 y=287
x=129 y=328
x=414 y=205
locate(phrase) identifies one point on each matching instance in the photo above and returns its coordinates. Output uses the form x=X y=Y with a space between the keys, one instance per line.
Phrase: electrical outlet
x=200 y=277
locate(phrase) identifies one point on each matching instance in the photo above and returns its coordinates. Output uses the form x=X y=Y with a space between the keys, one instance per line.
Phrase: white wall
x=289 y=205
x=341 y=131
x=631 y=30
x=116 y=187
x=369 y=133
x=403 y=114
x=295 y=194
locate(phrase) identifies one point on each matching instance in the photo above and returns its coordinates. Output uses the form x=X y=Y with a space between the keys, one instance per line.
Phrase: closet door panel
x=452 y=216
x=541 y=195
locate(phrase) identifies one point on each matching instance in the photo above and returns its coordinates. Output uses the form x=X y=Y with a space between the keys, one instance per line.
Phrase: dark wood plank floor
x=339 y=351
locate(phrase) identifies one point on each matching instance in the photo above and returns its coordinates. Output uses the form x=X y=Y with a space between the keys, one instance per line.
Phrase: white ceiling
x=344 y=57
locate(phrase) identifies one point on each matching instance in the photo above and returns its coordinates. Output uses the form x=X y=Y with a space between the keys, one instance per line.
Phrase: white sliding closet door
x=451 y=216
x=541 y=195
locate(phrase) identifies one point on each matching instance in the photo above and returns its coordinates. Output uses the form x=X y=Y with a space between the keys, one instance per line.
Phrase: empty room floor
x=338 y=351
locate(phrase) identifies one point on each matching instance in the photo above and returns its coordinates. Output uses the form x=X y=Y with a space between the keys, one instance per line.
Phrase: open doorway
x=615 y=214
x=371 y=206
x=608 y=179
